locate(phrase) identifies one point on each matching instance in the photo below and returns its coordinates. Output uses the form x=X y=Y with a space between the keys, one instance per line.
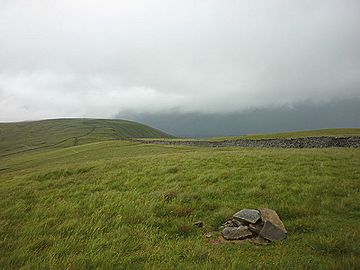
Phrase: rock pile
x=260 y=226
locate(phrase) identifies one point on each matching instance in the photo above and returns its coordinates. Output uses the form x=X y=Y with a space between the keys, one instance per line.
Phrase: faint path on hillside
x=75 y=138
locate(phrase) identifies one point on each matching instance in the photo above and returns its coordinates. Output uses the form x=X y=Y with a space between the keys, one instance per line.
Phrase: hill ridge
x=18 y=137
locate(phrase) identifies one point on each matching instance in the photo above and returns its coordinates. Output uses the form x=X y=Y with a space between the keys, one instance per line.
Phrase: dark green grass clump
x=120 y=205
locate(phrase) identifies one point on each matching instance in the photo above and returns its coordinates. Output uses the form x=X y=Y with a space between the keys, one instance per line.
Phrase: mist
x=302 y=116
x=102 y=60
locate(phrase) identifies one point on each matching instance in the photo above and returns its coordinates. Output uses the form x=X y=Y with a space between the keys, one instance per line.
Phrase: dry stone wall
x=307 y=142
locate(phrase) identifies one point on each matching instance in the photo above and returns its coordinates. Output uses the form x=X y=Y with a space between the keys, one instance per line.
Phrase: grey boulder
x=273 y=229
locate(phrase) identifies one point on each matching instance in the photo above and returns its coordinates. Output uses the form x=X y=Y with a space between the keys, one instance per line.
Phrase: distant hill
x=25 y=136
x=300 y=116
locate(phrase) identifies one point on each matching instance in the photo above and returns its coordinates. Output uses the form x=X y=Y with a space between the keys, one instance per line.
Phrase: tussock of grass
x=173 y=169
x=169 y=195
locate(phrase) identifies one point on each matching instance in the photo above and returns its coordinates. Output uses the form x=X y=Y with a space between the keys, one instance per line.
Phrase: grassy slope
x=22 y=136
x=124 y=205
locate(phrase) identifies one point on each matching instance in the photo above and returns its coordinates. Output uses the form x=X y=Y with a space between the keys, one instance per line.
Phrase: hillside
x=126 y=205
x=53 y=133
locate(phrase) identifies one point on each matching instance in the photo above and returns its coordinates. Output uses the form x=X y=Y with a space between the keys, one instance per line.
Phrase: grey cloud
x=301 y=116
x=97 y=59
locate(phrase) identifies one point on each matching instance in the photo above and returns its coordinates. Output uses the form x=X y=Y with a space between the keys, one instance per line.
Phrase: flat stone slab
x=273 y=229
x=247 y=215
x=236 y=233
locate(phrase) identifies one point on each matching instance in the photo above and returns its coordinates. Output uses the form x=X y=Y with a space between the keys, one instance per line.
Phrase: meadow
x=125 y=205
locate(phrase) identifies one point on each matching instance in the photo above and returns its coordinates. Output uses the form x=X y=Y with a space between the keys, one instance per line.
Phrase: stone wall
x=308 y=142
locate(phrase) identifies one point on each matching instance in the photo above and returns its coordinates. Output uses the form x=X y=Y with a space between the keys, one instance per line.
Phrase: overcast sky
x=101 y=58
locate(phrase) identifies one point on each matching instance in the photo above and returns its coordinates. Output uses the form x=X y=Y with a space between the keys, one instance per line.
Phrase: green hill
x=45 y=134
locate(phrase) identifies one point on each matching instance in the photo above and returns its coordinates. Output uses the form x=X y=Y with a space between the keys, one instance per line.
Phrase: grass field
x=122 y=205
x=59 y=133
